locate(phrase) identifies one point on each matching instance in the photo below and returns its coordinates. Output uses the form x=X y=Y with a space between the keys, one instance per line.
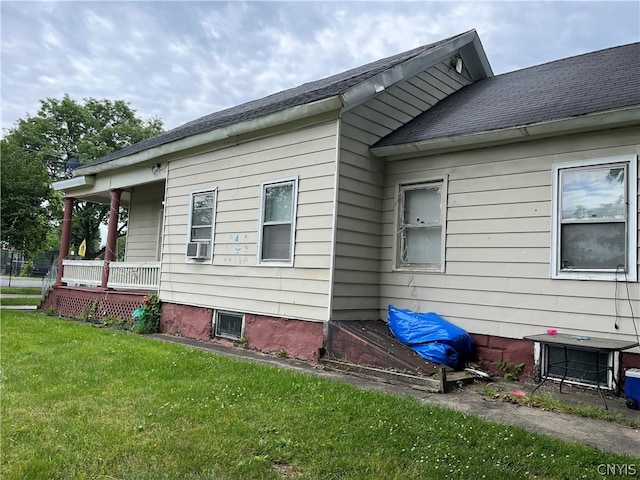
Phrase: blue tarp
x=430 y=336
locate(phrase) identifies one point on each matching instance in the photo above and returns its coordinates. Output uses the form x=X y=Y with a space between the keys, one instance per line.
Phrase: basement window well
x=578 y=360
x=584 y=367
x=228 y=325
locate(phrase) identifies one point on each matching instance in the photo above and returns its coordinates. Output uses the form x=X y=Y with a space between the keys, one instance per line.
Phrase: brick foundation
x=298 y=339
x=295 y=338
x=186 y=320
x=629 y=360
x=491 y=349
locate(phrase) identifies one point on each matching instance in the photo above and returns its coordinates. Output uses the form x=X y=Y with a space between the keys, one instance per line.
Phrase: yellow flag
x=82 y=249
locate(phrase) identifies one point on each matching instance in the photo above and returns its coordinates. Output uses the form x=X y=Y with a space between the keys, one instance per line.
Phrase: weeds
x=546 y=402
x=510 y=371
x=89 y=314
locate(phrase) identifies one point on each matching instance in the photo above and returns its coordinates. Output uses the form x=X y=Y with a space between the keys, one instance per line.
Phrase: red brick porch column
x=65 y=239
x=112 y=235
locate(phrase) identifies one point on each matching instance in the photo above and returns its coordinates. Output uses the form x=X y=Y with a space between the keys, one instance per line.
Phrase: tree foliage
x=65 y=128
x=24 y=222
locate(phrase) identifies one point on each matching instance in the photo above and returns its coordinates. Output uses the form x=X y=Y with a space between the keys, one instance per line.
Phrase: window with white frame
x=421 y=220
x=202 y=217
x=594 y=219
x=229 y=325
x=277 y=221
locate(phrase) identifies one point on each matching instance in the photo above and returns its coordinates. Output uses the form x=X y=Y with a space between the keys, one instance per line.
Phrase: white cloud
x=182 y=60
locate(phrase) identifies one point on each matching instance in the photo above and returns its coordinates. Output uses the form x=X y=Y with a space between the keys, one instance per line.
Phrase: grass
x=19 y=301
x=85 y=402
x=20 y=290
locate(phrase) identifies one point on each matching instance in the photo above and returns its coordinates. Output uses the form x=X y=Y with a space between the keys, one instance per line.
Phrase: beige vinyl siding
x=234 y=281
x=498 y=240
x=145 y=221
x=356 y=290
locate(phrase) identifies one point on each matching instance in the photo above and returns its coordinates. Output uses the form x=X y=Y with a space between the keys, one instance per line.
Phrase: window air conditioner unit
x=198 y=250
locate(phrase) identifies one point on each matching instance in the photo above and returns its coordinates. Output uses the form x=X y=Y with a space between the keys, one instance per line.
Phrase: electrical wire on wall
x=622 y=269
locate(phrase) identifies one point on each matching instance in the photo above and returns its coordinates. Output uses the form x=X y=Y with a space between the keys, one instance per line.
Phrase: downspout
x=334 y=228
x=164 y=227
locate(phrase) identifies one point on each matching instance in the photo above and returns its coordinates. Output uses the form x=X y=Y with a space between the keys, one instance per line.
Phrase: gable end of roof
x=352 y=87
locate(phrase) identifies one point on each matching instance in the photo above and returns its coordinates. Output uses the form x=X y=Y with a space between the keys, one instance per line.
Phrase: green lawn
x=85 y=402
x=11 y=301
x=21 y=290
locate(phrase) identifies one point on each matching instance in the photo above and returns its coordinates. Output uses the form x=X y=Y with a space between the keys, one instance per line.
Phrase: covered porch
x=108 y=287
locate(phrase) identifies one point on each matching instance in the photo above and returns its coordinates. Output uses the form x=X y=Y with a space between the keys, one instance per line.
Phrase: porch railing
x=124 y=275
x=134 y=275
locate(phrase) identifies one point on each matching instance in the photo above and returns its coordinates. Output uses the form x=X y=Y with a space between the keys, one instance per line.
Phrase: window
x=594 y=220
x=421 y=214
x=584 y=366
x=201 y=225
x=277 y=222
x=581 y=365
x=229 y=325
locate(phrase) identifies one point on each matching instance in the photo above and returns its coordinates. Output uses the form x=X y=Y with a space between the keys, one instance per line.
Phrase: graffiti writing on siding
x=237 y=249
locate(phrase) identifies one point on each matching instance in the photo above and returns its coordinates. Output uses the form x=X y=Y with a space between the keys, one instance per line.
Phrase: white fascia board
x=584 y=123
x=475 y=59
x=289 y=115
x=75 y=182
x=407 y=69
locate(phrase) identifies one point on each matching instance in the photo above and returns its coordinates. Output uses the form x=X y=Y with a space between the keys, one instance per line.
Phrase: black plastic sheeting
x=431 y=336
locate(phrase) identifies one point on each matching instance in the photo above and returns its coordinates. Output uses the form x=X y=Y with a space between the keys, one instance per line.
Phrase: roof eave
x=291 y=114
x=73 y=183
x=594 y=121
x=467 y=45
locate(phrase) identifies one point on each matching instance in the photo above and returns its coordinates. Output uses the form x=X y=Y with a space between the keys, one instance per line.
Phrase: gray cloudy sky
x=181 y=60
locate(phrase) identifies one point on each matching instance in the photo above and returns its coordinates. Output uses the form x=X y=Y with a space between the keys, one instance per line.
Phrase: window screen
x=420 y=222
x=593 y=225
x=278 y=221
x=202 y=216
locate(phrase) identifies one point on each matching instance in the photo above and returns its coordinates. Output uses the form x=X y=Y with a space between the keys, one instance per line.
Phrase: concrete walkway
x=608 y=436
x=20 y=281
x=18 y=307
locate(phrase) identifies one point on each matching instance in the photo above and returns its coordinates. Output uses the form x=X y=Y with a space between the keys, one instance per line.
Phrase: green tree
x=24 y=222
x=66 y=128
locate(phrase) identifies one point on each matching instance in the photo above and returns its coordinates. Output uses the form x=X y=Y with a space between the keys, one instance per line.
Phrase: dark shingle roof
x=593 y=82
x=301 y=95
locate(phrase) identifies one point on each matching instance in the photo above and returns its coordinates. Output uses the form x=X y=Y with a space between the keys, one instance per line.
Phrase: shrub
x=148 y=315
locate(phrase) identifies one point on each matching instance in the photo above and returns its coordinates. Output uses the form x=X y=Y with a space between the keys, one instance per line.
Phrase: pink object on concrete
x=552 y=331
